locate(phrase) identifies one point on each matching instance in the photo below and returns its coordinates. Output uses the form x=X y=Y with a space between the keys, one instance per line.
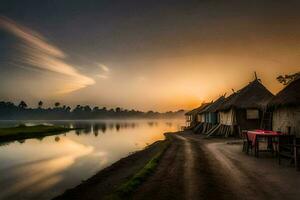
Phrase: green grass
x=125 y=190
x=25 y=132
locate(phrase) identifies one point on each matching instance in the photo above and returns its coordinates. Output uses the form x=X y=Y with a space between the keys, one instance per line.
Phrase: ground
x=197 y=168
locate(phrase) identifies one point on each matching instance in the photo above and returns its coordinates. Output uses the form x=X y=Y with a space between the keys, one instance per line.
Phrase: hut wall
x=188 y=119
x=218 y=118
x=198 y=118
x=193 y=119
x=201 y=118
x=212 y=118
x=207 y=118
x=248 y=119
x=227 y=118
x=285 y=117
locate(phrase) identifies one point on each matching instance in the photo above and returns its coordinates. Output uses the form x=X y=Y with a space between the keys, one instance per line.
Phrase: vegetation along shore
x=22 y=132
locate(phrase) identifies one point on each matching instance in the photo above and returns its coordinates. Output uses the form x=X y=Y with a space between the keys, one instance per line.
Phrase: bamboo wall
x=287 y=117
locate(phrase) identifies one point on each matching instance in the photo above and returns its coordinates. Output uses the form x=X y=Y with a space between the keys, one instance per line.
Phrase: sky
x=149 y=55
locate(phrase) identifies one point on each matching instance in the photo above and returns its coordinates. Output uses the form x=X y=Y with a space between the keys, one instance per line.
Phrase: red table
x=254 y=136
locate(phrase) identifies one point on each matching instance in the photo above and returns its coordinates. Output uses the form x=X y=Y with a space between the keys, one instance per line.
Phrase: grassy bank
x=25 y=132
x=125 y=190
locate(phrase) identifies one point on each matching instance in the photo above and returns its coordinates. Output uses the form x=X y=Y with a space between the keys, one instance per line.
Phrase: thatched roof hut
x=286 y=109
x=288 y=97
x=191 y=116
x=255 y=95
x=215 y=105
x=209 y=116
x=244 y=108
x=210 y=112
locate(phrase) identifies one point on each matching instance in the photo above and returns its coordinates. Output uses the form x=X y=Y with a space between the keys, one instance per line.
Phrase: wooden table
x=255 y=135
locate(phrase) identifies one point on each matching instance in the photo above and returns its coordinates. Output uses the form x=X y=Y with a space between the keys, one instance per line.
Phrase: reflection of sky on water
x=43 y=168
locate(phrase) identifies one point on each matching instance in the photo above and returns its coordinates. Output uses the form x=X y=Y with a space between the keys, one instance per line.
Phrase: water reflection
x=35 y=174
x=44 y=167
x=97 y=127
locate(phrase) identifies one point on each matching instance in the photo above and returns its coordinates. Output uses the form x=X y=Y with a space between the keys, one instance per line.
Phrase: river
x=43 y=168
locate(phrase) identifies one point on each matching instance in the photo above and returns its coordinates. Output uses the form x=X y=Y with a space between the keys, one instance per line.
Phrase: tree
x=78 y=109
x=96 y=109
x=57 y=104
x=22 y=105
x=68 y=108
x=87 y=108
x=287 y=79
x=40 y=104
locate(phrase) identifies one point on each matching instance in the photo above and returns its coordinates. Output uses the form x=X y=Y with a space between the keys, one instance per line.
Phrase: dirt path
x=190 y=184
x=194 y=168
x=185 y=172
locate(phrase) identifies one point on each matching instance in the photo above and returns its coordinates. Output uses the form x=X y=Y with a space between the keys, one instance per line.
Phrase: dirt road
x=195 y=168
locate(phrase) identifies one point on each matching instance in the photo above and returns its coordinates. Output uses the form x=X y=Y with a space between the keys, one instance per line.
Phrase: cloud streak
x=104 y=67
x=39 y=53
x=105 y=71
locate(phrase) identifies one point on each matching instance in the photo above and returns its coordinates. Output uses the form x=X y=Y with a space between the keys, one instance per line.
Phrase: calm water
x=43 y=168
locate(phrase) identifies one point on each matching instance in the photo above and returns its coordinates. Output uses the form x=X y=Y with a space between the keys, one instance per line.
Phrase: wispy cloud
x=104 y=74
x=39 y=53
x=103 y=67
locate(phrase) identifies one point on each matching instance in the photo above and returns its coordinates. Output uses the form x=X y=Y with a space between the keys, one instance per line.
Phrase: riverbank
x=25 y=132
x=119 y=180
x=193 y=167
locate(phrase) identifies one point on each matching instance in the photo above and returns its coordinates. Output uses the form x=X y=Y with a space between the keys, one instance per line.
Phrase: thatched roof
x=289 y=96
x=254 y=95
x=197 y=110
x=214 y=106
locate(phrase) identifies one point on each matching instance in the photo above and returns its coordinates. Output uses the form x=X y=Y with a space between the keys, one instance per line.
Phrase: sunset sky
x=154 y=54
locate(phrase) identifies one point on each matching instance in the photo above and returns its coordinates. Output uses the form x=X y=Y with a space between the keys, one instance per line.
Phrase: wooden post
x=295 y=154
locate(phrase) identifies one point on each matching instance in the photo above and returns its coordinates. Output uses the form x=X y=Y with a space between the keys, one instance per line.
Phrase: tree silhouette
x=9 y=110
x=286 y=79
x=68 y=108
x=96 y=109
x=22 y=105
x=57 y=104
x=40 y=104
x=87 y=108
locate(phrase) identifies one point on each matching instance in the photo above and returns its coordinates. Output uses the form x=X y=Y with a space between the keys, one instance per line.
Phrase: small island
x=22 y=131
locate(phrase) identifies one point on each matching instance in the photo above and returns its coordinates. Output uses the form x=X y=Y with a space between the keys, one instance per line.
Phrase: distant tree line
x=10 y=111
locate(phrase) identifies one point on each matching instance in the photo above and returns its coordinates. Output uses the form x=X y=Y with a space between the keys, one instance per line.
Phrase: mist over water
x=43 y=168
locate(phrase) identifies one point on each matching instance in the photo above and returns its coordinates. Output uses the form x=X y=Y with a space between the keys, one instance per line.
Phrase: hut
x=285 y=107
x=243 y=110
x=210 y=113
x=192 y=119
